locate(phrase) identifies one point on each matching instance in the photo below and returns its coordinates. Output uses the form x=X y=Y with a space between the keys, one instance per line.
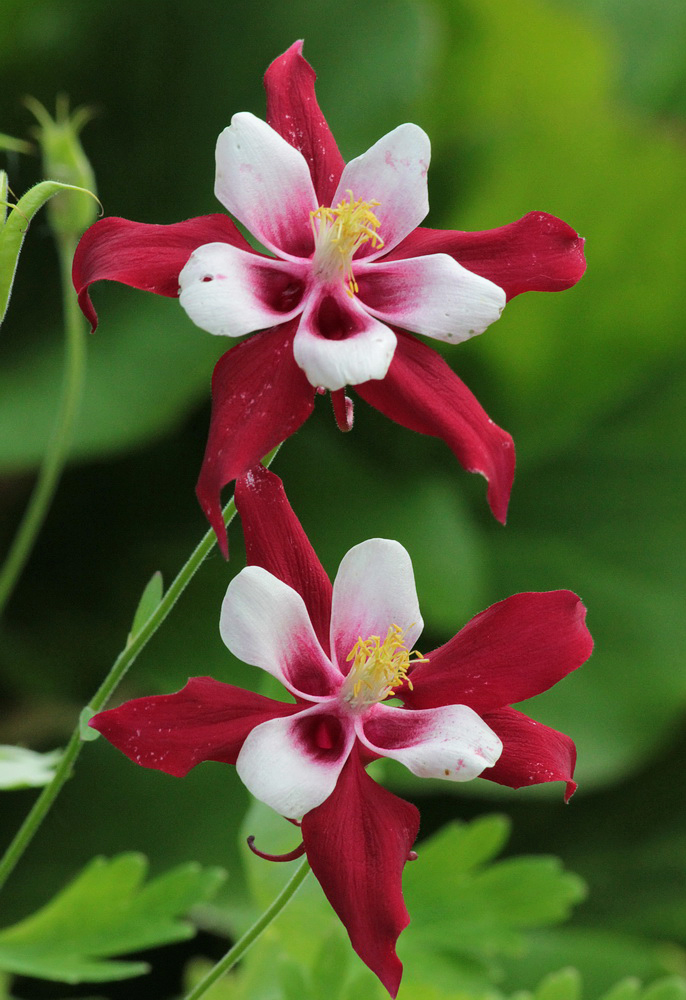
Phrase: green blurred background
x=577 y=108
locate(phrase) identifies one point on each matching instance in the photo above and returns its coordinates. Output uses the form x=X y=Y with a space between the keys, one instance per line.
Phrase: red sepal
x=514 y=650
x=259 y=398
x=275 y=540
x=206 y=720
x=537 y=253
x=293 y=112
x=532 y=753
x=421 y=392
x=357 y=843
x=144 y=256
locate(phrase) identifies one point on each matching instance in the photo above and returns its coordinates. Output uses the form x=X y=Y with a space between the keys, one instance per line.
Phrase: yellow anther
x=379 y=667
x=339 y=232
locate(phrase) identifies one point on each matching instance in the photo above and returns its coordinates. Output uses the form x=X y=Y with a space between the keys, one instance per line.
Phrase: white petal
x=393 y=172
x=266 y=184
x=374 y=588
x=282 y=765
x=362 y=350
x=264 y=622
x=450 y=742
x=231 y=292
x=432 y=295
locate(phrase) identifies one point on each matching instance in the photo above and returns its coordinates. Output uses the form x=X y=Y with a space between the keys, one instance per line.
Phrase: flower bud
x=70 y=212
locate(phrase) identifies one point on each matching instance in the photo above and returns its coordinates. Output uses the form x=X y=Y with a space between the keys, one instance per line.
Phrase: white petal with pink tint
x=374 y=588
x=266 y=184
x=363 y=353
x=222 y=289
x=264 y=622
x=432 y=295
x=451 y=742
x=281 y=764
x=393 y=172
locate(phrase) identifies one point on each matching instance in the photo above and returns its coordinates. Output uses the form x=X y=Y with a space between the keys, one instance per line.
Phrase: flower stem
x=120 y=666
x=58 y=446
x=241 y=946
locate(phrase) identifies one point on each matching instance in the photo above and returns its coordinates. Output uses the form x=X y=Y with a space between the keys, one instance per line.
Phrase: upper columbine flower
x=329 y=276
x=342 y=652
x=345 y=267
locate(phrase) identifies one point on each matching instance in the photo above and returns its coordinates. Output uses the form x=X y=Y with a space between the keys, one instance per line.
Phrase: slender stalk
x=58 y=446
x=120 y=666
x=241 y=946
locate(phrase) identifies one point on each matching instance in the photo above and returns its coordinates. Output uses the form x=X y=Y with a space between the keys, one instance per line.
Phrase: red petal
x=293 y=111
x=512 y=651
x=275 y=540
x=144 y=256
x=357 y=843
x=537 y=253
x=206 y=720
x=421 y=392
x=259 y=398
x=532 y=753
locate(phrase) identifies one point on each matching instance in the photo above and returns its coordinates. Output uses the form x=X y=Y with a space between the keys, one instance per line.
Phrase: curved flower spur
x=341 y=652
x=347 y=265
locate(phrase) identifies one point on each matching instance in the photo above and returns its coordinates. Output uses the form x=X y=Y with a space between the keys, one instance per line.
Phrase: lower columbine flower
x=342 y=652
x=347 y=266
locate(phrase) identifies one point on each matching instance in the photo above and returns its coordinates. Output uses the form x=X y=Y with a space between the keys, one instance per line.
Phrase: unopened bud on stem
x=70 y=212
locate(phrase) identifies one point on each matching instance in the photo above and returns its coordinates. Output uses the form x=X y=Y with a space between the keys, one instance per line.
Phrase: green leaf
x=14 y=229
x=602 y=956
x=21 y=768
x=150 y=598
x=562 y=985
x=106 y=911
x=471 y=910
x=567 y=985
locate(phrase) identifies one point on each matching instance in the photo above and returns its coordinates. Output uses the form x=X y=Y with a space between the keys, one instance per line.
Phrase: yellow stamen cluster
x=344 y=229
x=379 y=667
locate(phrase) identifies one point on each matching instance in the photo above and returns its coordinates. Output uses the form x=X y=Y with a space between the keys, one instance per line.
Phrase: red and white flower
x=328 y=274
x=346 y=267
x=342 y=652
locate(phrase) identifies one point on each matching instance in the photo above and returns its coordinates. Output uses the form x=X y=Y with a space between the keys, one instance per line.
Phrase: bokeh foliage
x=571 y=107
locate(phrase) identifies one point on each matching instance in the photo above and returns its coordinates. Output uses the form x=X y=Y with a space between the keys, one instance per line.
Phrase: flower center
x=338 y=233
x=378 y=667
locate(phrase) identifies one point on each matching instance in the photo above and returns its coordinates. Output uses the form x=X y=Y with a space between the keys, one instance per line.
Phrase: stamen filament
x=339 y=232
x=378 y=667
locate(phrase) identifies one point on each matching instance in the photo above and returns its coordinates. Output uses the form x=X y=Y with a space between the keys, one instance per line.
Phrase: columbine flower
x=349 y=267
x=342 y=652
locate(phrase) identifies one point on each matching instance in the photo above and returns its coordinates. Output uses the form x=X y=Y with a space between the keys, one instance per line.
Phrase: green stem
x=241 y=946
x=120 y=666
x=58 y=446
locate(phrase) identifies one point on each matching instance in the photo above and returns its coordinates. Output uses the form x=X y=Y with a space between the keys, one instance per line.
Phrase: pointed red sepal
x=205 y=720
x=148 y=257
x=293 y=111
x=275 y=540
x=259 y=398
x=532 y=753
x=537 y=253
x=514 y=650
x=358 y=842
x=423 y=393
